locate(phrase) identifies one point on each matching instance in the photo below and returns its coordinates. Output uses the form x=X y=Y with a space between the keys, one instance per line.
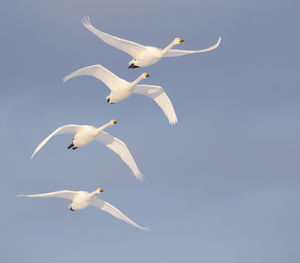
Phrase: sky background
x=222 y=185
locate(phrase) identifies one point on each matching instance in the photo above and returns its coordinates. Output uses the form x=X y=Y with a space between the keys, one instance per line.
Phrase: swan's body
x=84 y=134
x=122 y=89
x=83 y=199
x=143 y=56
x=150 y=55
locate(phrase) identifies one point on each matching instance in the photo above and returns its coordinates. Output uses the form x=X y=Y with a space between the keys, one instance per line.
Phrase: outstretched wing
x=107 y=207
x=70 y=128
x=121 y=149
x=66 y=194
x=127 y=46
x=98 y=71
x=179 y=52
x=160 y=97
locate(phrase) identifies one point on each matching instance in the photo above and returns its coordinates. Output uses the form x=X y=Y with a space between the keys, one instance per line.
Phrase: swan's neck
x=166 y=49
x=101 y=128
x=135 y=82
x=93 y=193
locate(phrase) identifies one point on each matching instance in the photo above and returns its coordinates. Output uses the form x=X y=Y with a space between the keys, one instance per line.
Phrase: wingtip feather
x=140 y=176
x=65 y=79
x=147 y=228
x=86 y=21
x=219 y=40
x=173 y=121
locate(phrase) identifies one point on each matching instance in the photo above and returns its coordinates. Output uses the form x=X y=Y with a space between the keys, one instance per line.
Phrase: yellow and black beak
x=180 y=40
x=114 y=122
x=100 y=190
x=147 y=75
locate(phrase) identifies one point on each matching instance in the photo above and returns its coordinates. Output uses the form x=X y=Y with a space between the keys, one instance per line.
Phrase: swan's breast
x=84 y=136
x=149 y=56
x=80 y=200
x=119 y=96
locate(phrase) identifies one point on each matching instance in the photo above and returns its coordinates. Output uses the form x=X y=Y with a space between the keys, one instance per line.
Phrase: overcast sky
x=222 y=185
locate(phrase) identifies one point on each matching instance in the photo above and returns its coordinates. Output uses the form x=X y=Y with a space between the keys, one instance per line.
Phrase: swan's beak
x=147 y=75
x=181 y=40
x=108 y=99
x=114 y=122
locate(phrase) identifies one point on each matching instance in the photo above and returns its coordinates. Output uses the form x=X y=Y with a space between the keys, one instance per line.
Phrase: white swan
x=122 y=89
x=142 y=55
x=83 y=199
x=84 y=134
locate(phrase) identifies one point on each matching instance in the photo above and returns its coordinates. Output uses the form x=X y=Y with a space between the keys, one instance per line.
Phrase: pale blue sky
x=222 y=185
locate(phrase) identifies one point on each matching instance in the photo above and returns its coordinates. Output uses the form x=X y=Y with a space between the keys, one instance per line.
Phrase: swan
x=84 y=134
x=122 y=89
x=143 y=56
x=83 y=199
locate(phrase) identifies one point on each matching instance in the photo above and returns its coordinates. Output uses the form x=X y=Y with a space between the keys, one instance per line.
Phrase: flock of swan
x=121 y=89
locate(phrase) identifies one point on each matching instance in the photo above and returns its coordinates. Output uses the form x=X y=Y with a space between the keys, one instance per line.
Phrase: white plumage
x=143 y=56
x=83 y=199
x=122 y=89
x=84 y=134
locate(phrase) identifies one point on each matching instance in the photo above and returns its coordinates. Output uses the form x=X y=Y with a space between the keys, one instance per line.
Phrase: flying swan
x=83 y=199
x=122 y=89
x=84 y=134
x=143 y=56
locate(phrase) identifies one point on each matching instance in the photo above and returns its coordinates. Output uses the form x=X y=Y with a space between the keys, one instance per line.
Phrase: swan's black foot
x=71 y=145
x=133 y=66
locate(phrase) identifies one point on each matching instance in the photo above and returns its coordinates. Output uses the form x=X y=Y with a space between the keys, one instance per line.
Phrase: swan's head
x=134 y=63
x=145 y=75
x=99 y=190
x=178 y=40
x=112 y=122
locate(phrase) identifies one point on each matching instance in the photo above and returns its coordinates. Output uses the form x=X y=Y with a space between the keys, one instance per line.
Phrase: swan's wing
x=71 y=128
x=98 y=71
x=107 y=207
x=66 y=194
x=127 y=46
x=121 y=149
x=179 y=52
x=160 y=97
